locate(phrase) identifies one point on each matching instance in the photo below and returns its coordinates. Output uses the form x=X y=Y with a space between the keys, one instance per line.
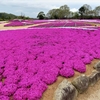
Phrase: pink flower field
x=19 y=23
x=60 y=23
x=32 y=59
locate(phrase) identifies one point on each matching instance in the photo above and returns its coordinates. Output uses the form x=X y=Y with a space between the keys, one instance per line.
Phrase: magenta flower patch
x=19 y=23
x=31 y=59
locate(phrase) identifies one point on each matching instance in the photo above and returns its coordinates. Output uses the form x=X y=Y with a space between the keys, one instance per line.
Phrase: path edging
x=70 y=90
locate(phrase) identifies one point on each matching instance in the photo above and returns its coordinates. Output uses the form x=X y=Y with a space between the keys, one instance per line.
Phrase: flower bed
x=51 y=24
x=76 y=24
x=30 y=59
x=19 y=23
x=40 y=21
x=62 y=23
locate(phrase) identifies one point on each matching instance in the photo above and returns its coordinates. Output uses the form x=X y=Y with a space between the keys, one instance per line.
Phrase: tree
x=22 y=16
x=64 y=11
x=41 y=15
x=59 y=13
x=82 y=11
x=88 y=9
x=97 y=11
x=76 y=15
x=54 y=14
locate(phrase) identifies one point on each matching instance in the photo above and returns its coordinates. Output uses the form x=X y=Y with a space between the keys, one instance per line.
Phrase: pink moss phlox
x=31 y=59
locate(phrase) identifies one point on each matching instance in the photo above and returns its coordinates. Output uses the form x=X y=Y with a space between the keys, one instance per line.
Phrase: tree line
x=6 y=16
x=63 y=12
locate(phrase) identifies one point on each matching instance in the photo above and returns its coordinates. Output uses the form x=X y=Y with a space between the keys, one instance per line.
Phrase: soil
x=17 y=27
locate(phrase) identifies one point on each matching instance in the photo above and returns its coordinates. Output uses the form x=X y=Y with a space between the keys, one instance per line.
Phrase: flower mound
x=31 y=59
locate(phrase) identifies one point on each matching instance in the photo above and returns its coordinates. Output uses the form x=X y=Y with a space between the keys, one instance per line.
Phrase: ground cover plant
x=31 y=59
x=25 y=22
x=41 y=21
x=52 y=23
x=19 y=23
x=61 y=23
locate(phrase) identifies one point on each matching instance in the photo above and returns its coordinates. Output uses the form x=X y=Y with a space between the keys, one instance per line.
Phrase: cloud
x=73 y=9
x=30 y=6
x=47 y=2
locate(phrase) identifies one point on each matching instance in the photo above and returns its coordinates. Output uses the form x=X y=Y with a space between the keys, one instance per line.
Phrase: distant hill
x=5 y=16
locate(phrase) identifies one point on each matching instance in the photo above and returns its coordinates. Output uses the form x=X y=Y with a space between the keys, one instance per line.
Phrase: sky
x=32 y=7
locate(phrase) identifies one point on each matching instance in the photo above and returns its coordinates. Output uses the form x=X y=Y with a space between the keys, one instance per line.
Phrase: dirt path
x=18 y=27
x=93 y=24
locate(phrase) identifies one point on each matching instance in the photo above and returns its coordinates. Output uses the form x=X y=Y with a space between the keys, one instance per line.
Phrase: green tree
x=64 y=11
x=53 y=14
x=76 y=15
x=60 y=13
x=88 y=9
x=97 y=11
x=82 y=11
x=41 y=15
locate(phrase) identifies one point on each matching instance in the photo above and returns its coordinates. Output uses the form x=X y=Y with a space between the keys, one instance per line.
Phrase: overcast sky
x=33 y=7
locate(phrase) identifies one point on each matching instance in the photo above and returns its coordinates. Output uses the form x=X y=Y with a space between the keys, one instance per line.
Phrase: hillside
x=6 y=16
